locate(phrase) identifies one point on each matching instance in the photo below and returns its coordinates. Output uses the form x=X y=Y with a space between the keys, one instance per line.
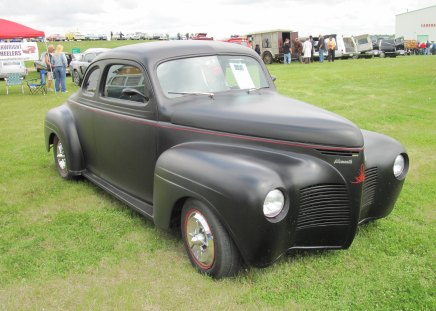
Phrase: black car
x=387 y=48
x=81 y=62
x=193 y=135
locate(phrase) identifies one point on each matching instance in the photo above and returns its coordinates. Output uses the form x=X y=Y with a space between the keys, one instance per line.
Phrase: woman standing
x=59 y=68
x=307 y=49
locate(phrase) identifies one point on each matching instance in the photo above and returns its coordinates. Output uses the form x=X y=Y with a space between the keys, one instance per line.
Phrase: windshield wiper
x=257 y=89
x=194 y=93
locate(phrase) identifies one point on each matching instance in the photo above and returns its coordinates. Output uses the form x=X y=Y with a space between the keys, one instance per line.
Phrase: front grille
x=338 y=153
x=369 y=186
x=324 y=205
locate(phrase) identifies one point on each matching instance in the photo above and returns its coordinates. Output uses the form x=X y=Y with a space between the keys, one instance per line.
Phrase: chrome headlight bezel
x=274 y=203
x=400 y=166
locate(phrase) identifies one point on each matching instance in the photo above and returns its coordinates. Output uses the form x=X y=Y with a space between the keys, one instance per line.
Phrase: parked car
x=387 y=48
x=12 y=66
x=56 y=37
x=133 y=36
x=193 y=135
x=201 y=36
x=74 y=36
x=102 y=36
x=81 y=62
x=239 y=40
x=91 y=37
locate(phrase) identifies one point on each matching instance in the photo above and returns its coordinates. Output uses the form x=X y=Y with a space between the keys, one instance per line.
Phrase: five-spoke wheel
x=209 y=246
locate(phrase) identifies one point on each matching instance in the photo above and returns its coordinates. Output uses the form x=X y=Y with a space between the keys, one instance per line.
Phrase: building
x=417 y=25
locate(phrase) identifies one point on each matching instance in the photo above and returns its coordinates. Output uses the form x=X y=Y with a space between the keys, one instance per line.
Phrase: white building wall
x=417 y=23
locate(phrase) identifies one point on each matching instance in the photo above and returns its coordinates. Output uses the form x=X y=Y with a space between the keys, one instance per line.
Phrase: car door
x=125 y=129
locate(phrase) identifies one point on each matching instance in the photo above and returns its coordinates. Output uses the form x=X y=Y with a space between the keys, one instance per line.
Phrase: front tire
x=60 y=157
x=209 y=246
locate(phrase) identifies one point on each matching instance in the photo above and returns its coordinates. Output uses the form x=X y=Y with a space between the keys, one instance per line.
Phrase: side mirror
x=273 y=78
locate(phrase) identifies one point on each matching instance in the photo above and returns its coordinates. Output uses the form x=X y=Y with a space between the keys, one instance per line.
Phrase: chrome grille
x=323 y=205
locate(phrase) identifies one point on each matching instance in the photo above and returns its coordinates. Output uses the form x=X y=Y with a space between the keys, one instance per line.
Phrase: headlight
x=274 y=203
x=399 y=165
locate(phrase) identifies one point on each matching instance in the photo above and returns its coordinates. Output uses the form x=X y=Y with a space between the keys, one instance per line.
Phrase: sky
x=219 y=18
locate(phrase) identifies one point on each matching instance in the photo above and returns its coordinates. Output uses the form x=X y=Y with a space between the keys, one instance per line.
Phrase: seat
x=35 y=87
x=13 y=79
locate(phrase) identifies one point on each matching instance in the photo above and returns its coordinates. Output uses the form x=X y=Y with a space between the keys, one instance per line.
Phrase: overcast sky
x=219 y=18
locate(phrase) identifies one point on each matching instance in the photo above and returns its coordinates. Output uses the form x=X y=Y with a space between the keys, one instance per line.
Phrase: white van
x=12 y=66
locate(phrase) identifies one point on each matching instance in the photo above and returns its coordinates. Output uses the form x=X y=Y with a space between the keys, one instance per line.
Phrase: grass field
x=68 y=245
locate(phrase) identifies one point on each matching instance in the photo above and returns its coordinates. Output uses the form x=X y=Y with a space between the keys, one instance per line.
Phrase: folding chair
x=35 y=87
x=13 y=79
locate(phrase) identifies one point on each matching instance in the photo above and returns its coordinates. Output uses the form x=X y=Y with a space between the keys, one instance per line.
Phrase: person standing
x=48 y=58
x=427 y=48
x=59 y=63
x=321 y=47
x=331 y=45
x=313 y=49
x=298 y=49
x=286 y=52
x=307 y=50
x=257 y=49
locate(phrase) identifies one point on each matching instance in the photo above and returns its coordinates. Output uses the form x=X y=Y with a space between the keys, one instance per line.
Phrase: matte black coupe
x=193 y=135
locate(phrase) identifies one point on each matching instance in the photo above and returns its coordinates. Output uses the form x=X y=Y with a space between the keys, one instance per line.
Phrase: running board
x=136 y=204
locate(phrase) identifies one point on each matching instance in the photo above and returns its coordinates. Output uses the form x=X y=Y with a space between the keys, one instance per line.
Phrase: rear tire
x=267 y=58
x=60 y=157
x=208 y=244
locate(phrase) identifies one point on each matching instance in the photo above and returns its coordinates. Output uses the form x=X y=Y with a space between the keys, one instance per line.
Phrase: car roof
x=155 y=52
x=96 y=50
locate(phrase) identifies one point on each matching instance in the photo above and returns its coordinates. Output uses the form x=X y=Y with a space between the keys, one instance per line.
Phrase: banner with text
x=18 y=51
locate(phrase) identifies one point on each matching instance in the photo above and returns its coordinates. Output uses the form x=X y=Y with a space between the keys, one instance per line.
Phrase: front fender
x=59 y=121
x=234 y=181
x=381 y=188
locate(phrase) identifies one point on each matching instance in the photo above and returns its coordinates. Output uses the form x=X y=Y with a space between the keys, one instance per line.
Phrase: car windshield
x=210 y=74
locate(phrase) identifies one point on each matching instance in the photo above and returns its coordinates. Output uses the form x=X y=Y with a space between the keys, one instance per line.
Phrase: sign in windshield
x=209 y=75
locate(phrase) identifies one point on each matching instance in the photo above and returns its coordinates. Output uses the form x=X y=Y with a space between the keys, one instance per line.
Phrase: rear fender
x=60 y=122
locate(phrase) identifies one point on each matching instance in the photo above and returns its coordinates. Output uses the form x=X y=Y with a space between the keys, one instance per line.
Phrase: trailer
x=364 y=46
x=271 y=43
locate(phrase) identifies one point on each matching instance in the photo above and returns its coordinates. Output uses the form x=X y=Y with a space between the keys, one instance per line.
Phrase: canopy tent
x=12 y=30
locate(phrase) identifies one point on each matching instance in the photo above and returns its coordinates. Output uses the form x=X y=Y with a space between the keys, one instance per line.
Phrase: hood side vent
x=338 y=153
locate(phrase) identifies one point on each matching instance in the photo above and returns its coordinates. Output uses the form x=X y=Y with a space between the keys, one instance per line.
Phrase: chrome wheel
x=76 y=77
x=60 y=156
x=200 y=239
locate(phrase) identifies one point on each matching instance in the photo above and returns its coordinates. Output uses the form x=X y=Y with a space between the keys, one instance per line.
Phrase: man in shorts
x=50 y=50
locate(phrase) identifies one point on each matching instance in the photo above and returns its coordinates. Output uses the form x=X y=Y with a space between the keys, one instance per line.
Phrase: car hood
x=268 y=115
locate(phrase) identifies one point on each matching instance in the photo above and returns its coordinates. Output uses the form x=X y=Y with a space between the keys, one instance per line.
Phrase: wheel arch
x=60 y=122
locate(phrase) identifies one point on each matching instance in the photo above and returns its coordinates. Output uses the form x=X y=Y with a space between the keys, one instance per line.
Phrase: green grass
x=68 y=245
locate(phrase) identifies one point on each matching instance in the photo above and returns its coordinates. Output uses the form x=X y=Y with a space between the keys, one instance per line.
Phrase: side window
x=125 y=82
x=90 y=85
